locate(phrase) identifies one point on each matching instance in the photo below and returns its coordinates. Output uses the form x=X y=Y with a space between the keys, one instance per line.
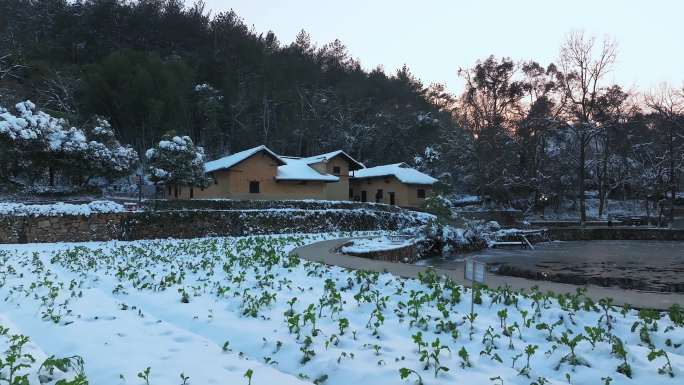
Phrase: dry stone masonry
x=197 y=223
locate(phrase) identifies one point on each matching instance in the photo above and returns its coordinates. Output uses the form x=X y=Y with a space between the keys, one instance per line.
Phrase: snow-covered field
x=241 y=311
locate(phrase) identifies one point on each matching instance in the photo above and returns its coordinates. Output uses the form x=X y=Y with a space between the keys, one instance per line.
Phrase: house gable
x=324 y=158
x=232 y=160
x=297 y=169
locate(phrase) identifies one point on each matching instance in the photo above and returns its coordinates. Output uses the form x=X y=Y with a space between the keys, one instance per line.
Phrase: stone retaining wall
x=68 y=228
x=559 y=223
x=406 y=254
x=191 y=224
x=229 y=204
x=615 y=233
x=11 y=230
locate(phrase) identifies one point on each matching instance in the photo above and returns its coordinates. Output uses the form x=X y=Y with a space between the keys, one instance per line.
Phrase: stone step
x=678 y=223
x=678 y=210
x=509 y=244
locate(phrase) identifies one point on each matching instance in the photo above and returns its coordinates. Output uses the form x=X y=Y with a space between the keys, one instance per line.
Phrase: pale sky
x=435 y=38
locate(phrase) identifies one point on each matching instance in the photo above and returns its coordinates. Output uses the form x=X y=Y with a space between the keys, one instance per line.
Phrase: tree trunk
x=673 y=184
x=266 y=119
x=603 y=194
x=582 y=161
x=601 y=189
x=481 y=172
x=660 y=213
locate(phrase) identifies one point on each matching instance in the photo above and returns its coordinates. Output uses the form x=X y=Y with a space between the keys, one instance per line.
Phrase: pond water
x=643 y=265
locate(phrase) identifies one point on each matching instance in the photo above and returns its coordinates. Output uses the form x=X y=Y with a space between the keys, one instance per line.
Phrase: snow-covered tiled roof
x=401 y=171
x=355 y=165
x=289 y=168
x=299 y=169
x=233 y=159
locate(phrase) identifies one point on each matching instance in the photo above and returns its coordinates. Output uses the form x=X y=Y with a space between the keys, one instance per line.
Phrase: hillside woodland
x=98 y=83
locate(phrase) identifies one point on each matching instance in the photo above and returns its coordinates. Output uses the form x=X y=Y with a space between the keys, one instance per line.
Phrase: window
x=378 y=196
x=169 y=190
x=254 y=187
x=392 y=200
x=213 y=176
x=175 y=191
x=421 y=193
x=192 y=192
x=336 y=170
x=351 y=193
x=364 y=198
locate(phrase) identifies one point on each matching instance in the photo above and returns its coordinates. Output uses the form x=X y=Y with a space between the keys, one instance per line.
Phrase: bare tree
x=613 y=111
x=648 y=172
x=584 y=65
x=59 y=93
x=488 y=105
x=8 y=69
x=542 y=105
x=668 y=106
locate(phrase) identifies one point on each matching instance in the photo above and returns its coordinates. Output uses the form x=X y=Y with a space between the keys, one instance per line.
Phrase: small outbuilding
x=394 y=184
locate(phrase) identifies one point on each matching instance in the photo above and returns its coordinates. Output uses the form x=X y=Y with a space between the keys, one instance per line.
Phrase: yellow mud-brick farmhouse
x=260 y=173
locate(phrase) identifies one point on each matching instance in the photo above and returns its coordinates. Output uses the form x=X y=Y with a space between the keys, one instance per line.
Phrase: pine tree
x=177 y=161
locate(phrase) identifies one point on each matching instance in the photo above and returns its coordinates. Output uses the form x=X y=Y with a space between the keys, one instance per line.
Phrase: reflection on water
x=649 y=265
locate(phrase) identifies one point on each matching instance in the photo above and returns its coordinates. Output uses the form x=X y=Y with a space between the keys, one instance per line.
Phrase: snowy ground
x=215 y=310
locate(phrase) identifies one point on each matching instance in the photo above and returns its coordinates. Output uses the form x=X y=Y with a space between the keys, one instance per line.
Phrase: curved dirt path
x=324 y=252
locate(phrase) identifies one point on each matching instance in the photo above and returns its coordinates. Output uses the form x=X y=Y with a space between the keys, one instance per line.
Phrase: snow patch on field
x=461 y=199
x=60 y=208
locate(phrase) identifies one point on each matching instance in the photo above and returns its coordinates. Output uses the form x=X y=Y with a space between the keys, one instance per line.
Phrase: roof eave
x=392 y=175
x=305 y=180
x=373 y=176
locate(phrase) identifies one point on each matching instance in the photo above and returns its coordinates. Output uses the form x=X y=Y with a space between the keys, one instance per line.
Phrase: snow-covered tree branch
x=175 y=160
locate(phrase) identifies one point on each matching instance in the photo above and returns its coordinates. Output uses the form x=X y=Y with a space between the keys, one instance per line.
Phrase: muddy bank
x=615 y=233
